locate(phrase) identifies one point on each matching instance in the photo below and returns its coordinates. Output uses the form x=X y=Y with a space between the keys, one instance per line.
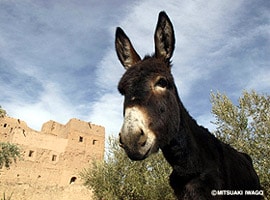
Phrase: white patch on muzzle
x=136 y=136
x=134 y=121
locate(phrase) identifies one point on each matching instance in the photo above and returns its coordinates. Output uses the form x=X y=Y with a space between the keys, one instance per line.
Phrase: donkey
x=155 y=118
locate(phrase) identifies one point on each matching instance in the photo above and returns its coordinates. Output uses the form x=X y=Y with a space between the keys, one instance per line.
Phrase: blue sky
x=57 y=58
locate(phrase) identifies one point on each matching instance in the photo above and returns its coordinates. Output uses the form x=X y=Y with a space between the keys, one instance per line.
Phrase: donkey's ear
x=164 y=37
x=124 y=49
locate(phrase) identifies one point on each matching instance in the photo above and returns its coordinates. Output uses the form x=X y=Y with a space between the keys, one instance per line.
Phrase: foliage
x=3 y=113
x=117 y=177
x=5 y=197
x=247 y=128
x=8 y=153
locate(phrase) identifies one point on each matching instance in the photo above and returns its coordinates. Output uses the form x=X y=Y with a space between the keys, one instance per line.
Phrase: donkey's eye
x=162 y=82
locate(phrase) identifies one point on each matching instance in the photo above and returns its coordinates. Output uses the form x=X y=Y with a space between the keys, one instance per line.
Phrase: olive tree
x=117 y=177
x=246 y=127
x=3 y=113
x=8 y=152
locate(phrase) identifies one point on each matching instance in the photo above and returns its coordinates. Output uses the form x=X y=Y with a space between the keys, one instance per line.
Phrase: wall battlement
x=53 y=156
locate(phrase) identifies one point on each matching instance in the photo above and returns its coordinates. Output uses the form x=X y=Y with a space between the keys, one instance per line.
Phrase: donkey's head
x=151 y=111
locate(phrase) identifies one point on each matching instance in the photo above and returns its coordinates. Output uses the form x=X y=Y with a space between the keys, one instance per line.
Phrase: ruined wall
x=37 y=192
x=54 y=128
x=53 y=156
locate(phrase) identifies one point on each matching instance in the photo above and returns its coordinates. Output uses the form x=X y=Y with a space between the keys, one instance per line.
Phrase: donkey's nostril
x=144 y=143
x=143 y=138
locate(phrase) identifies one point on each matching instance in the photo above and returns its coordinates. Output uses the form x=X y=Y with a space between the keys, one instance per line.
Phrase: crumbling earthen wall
x=37 y=192
x=53 y=156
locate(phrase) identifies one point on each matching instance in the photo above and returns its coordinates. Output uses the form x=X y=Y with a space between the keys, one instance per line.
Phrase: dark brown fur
x=200 y=161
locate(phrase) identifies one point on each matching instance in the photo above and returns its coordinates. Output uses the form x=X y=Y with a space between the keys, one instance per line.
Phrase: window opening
x=5 y=125
x=72 y=180
x=24 y=133
x=94 y=142
x=31 y=153
x=54 y=157
x=80 y=139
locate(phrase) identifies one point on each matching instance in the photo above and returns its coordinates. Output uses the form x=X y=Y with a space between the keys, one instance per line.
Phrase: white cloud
x=109 y=71
x=68 y=54
x=206 y=121
x=260 y=80
x=107 y=111
x=197 y=25
x=50 y=105
x=51 y=49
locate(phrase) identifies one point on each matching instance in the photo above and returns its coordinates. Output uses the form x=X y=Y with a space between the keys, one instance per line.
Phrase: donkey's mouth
x=136 y=156
x=148 y=152
x=140 y=152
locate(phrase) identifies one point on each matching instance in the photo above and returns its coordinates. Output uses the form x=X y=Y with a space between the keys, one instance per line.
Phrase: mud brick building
x=53 y=156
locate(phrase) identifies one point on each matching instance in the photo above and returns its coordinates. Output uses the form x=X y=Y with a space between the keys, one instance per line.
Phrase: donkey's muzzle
x=135 y=136
x=135 y=145
x=135 y=151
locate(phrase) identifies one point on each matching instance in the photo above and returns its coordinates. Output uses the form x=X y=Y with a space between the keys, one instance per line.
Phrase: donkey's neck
x=182 y=151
